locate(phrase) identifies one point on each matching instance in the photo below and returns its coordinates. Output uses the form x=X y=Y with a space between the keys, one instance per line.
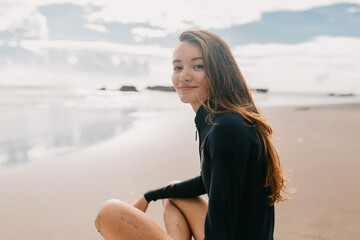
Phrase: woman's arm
x=141 y=204
x=186 y=189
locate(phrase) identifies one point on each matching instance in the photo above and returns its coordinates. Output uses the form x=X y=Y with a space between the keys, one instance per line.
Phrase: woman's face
x=189 y=76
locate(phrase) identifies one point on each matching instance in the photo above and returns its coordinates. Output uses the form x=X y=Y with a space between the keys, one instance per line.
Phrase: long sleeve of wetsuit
x=229 y=149
x=186 y=189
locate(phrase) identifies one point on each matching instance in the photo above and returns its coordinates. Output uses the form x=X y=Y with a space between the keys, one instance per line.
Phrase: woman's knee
x=165 y=201
x=120 y=220
x=107 y=212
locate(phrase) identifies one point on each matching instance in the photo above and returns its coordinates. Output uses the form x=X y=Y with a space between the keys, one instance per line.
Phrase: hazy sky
x=280 y=44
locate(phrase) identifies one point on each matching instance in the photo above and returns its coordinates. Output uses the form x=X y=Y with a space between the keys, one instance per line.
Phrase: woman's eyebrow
x=197 y=58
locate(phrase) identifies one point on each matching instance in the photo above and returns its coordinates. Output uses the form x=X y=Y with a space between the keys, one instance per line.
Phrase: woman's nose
x=185 y=75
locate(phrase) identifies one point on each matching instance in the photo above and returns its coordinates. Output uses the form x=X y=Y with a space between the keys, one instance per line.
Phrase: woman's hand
x=141 y=204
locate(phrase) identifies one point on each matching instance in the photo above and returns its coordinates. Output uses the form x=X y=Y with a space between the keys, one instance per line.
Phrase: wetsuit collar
x=200 y=116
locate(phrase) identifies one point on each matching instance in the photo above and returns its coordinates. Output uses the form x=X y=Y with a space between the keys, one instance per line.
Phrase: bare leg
x=188 y=213
x=176 y=225
x=118 y=220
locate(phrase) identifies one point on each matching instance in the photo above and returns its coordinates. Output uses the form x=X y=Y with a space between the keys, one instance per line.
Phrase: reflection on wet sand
x=71 y=131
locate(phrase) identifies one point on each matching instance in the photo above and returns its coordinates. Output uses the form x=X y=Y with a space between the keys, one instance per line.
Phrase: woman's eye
x=199 y=66
x=177 y=68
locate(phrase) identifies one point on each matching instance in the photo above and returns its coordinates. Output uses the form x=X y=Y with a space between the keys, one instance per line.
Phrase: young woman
x=240 y=168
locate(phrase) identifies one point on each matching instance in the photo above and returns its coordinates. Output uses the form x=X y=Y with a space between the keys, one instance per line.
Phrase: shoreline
x=82 y=128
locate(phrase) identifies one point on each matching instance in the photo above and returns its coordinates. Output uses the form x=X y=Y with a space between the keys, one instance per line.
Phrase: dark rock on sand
x=126 y=88
x=341 y=94
x=162 y=88
x=261 y=90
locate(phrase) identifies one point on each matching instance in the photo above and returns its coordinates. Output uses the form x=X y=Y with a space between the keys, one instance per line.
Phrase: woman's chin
x=193 y=100
x=187 y=101
x=184 y=99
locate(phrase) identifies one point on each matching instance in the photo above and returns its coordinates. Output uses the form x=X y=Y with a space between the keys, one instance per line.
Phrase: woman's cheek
x=173 y=80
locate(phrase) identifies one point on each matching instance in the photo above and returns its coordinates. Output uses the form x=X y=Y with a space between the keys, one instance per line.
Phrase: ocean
x=43 y=123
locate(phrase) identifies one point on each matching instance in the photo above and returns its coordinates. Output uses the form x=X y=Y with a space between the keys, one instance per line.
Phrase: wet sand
x=59 y=198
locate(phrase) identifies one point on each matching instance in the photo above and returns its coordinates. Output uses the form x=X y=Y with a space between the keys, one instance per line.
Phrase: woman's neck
x=196 y=106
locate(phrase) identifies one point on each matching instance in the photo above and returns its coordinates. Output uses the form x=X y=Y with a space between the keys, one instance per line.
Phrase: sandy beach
x=59 y=198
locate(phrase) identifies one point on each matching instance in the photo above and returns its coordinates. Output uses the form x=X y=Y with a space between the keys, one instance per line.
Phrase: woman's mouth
x=187 y=88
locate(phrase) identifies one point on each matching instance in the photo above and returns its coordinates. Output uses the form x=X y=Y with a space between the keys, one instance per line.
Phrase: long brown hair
x=228 y=91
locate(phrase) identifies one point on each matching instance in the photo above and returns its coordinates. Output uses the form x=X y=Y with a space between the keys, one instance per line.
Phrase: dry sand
x=59 y=199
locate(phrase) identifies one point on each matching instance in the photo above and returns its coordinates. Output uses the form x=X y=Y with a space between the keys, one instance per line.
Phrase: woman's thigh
x=119 y=220
x=194 y=210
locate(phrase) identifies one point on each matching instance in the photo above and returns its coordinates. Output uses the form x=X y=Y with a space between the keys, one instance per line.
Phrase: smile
x=186 y=88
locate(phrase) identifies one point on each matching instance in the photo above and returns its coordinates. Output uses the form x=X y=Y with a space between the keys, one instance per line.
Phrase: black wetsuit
x=233 y=176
